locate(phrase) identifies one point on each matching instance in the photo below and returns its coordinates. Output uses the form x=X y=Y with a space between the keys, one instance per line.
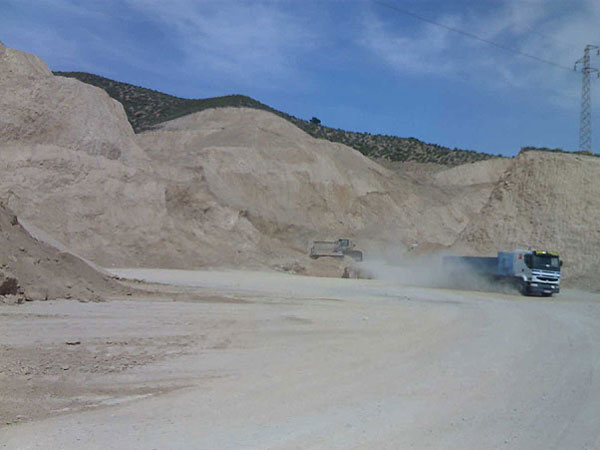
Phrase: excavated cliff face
x=38 y=108
x=545 y=201
x=278 y=176
x=20 y=64
x=71 y=165
x=237 y=187
x=292 y=187
x=226 y=188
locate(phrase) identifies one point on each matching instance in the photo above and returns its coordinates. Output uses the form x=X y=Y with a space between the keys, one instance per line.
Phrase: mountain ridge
x=147 y=108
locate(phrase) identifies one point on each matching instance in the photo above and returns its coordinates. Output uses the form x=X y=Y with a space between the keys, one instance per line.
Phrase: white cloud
x=420 y=53
x=553 y=31
x=248 y=42
x=71 y=36
x=233 y=44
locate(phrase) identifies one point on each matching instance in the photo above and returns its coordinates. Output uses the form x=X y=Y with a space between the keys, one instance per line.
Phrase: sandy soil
x=44 y=271
x=243 y=360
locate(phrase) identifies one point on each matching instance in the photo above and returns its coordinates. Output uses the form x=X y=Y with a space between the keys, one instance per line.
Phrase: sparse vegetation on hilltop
x=556 y=150
x=146 y=108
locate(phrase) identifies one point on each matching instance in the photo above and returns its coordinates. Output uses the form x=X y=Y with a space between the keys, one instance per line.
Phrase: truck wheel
x=524 y=288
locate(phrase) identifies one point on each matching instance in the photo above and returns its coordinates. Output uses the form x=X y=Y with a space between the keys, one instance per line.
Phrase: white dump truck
x=532 y=271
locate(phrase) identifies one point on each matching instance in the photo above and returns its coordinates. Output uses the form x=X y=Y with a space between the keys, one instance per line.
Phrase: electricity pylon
x=585 y=118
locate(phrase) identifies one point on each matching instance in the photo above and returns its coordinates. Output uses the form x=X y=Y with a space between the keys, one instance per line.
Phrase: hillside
x=243 y=187
x=548 y=201
x=274 y=181
x=146 y=108
x=224 y=187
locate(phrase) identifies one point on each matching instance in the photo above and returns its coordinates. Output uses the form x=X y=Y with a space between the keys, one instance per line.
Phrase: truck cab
x=539 y=271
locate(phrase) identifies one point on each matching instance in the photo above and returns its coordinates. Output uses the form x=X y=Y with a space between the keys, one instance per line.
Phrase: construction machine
x=532 y=271
x=335 y=249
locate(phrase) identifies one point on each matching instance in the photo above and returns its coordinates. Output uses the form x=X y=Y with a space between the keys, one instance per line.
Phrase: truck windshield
x=547 y=262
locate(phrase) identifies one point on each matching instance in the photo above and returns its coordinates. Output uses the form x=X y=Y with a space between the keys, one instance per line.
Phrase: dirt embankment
x=32 y=270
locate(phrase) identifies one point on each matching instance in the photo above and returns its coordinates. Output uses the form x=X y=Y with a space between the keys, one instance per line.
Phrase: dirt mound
x=276 y=182
x=544 y=201
x=256 y=162
x=32 y=270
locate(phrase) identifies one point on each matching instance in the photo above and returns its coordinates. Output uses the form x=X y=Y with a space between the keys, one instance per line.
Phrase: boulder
x=9 y=285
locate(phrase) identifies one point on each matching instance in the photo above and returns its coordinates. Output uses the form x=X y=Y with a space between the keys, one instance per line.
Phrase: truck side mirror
x=561 y=263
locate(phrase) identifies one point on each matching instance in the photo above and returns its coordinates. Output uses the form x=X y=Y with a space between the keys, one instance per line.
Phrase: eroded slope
x=545 y=201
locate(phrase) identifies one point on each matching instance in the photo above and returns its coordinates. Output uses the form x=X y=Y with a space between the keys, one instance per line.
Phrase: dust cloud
x=432 y=271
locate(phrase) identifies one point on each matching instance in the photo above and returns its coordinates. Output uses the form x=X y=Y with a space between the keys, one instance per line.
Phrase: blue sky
x=357 y=65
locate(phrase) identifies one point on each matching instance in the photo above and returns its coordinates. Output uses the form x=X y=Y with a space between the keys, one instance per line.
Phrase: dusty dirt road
x=246 y=360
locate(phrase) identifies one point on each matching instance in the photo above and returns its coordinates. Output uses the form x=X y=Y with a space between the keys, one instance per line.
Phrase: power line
x=570 y=45
x=473 y=36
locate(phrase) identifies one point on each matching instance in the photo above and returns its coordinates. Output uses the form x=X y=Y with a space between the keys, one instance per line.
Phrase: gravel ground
x=251 y=360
